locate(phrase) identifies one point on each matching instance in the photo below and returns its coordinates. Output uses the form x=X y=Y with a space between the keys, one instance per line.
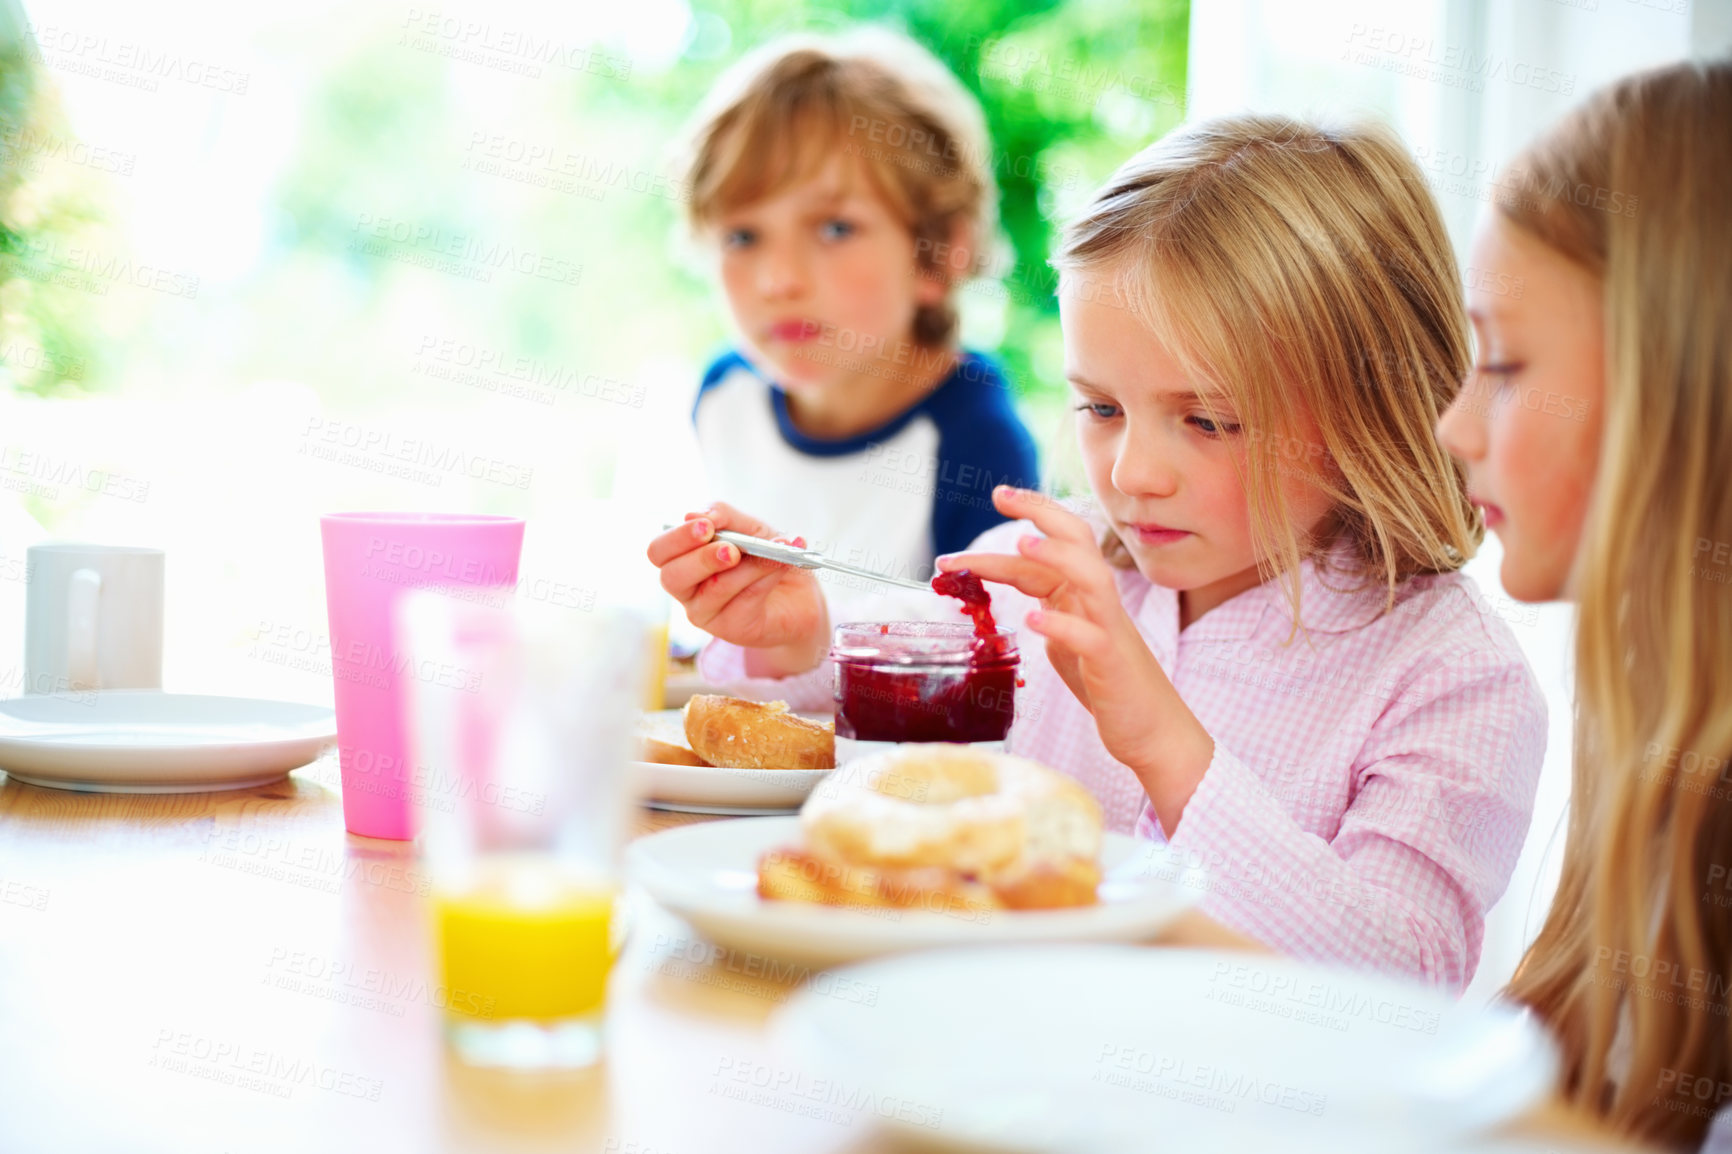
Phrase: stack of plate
x=147 y=741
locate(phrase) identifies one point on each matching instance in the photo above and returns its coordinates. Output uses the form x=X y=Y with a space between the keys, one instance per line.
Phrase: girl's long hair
x=1298 y=267
x=1632 y=967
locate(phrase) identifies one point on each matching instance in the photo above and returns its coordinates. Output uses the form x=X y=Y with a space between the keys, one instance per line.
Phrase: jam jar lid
x=919 y=643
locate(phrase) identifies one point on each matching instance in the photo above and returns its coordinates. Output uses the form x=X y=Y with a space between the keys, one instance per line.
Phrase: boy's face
x=1165 y=468
x=821 y=280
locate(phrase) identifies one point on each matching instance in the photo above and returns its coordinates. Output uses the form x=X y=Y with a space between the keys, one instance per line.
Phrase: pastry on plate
x=942 y=828
x=738 y=734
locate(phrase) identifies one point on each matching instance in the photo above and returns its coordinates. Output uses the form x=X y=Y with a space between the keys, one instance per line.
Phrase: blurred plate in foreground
x=1114 y=1048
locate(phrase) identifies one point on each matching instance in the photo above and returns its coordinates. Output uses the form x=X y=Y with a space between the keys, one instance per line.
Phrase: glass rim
x=95 y=547
x=947 y=643
x=409 y=517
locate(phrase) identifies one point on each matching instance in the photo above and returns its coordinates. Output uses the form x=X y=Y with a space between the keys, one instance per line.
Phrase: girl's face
x=1527 y=422
x=1165 y=468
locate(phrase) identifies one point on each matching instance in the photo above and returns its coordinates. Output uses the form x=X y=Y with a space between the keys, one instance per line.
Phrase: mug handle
x=81 y=629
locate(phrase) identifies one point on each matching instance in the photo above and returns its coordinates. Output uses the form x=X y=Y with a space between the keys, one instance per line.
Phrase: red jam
x=966 y=588
x=924 y=681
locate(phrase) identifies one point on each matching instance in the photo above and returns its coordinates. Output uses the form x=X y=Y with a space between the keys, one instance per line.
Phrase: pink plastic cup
x=371 y=560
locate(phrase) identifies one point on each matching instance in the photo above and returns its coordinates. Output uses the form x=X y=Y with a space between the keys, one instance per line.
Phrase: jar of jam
x=922 y=681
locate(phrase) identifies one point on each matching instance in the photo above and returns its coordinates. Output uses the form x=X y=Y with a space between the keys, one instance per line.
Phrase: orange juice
x=656 y=674
x=525 y=941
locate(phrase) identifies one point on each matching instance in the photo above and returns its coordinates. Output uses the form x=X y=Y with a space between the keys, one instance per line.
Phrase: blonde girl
x=1597 y=434
x=1256 y=645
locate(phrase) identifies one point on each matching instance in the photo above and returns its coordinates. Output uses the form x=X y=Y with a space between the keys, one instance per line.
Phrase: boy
x=842 y=184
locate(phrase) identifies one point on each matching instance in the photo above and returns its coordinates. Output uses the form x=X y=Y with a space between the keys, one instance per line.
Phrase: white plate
x=145 y=741
x=1113 y=1048
x=719 y=810
x=711 y=789
x=707 y=874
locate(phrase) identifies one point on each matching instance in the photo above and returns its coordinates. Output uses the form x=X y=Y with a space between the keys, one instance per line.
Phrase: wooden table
x=232 y=972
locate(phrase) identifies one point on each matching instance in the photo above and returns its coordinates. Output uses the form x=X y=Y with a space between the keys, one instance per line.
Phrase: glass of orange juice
x=523 y=720
x=656 y=679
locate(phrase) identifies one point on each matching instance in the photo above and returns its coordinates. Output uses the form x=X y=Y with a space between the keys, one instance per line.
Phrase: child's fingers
x=1081 y=566
x=1021 y=573
x=681 y=539
x=736 y=589
x=700 y=527
x=1077 y=634
x=1047 y=514
x=725 y=516
x=685 y=573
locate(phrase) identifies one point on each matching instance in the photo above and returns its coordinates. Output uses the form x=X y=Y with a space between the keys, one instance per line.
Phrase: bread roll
x=739 y=734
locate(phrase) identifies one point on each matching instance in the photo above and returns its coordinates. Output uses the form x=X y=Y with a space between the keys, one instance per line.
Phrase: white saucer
x=146 y=741
x=707 y=874
x=1114 y=1048
x=719 y=810
x=712 y=789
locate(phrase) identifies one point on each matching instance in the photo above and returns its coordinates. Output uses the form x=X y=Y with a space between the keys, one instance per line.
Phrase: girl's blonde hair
x=1298 y=268
x=784 y=110
x=1632 y=187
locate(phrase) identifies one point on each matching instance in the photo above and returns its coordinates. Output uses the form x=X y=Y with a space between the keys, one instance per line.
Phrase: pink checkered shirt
x=1372 y=781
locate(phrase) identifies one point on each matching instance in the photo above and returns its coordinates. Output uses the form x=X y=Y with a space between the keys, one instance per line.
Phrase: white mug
x=92 y=617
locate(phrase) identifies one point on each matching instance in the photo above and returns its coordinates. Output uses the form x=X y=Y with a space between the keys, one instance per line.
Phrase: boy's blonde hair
x=1298 y=268
x=1631 y=188
x=783 y=111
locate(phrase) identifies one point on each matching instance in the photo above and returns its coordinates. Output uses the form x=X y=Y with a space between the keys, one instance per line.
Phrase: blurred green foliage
x=1069 y=91
x=47 y=330
x=384 y=166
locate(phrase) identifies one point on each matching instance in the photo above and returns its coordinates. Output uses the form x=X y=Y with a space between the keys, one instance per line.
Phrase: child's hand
x=1095 y=647
x=775 y=612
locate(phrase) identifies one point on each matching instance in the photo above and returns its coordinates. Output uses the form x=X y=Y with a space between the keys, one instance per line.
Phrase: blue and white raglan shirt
x=890 y=499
